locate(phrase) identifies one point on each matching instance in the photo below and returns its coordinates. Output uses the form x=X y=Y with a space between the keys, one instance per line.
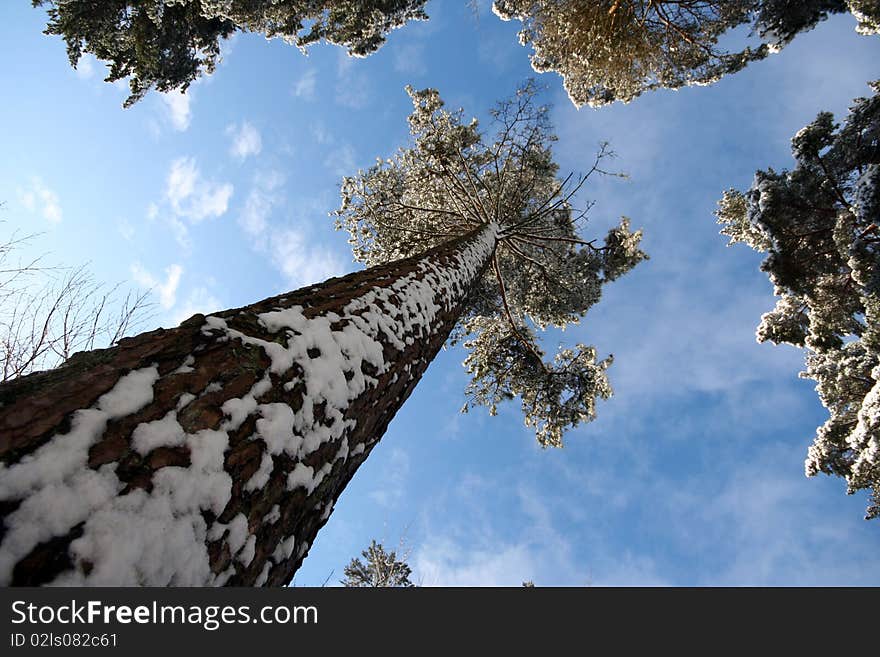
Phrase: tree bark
x=212 y=453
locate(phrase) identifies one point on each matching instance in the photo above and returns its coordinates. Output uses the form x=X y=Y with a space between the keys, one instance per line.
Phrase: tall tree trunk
x=213 y=453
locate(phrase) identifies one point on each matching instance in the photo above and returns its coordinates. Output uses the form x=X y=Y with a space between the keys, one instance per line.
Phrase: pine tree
x=212 y=453
x=612 y=50
x=818 y=225
x=379 y=569
x=542 y=274
x=167 y=44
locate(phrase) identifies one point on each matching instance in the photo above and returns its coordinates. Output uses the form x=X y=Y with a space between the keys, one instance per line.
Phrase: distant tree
x=212 y=453
x=379 y=569
x=611 y=50
x=47 y=313
x=167 y=44
x=818 y=225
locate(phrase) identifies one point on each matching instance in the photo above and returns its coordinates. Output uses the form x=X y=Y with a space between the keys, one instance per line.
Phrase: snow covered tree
x=541 y=274
x=818 y=224
x=212 y=453
x=167 y=44
x=611 y=50
x=379 y=569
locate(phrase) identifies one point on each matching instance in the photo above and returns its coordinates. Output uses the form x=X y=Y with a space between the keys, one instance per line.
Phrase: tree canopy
x=167 y=44
x=452 y=178
x=612 y=50
x=379 y=569
x=818 y=225
x=605 y=50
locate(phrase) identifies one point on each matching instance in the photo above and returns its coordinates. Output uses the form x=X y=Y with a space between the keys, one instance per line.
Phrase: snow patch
x=166 y=432
x=58 y=488
x=261 y=477
x=273 y=516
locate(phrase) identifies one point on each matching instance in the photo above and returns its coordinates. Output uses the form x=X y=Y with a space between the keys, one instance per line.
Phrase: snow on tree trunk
x=212 y=453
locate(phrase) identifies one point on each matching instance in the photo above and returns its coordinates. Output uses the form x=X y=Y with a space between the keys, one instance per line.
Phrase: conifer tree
x=818 y=225
x=611 y=50
x=378 y=569
x=542 y=273
x=167 y=44
x=212 y=453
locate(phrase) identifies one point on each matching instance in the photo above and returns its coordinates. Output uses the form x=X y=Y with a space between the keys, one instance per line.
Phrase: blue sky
x=693 y=472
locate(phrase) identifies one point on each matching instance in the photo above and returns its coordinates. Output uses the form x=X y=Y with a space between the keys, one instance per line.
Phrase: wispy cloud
x=409 y=58
x=189 y=198
x=394 y=479
x=166 y=289
x=263 y=197
x=495 y=51
x=38 y=197
x=246 y=140
x=152 y=211
x=290 y=251
x=85 y=67
x=177 y=109
x=341 y=160
x=320 y=133
x=446 y=563
x=302 y=263
x=199 y=300
x=352 y=90
x=191 y=195
x=476 y=551
x=305 y=86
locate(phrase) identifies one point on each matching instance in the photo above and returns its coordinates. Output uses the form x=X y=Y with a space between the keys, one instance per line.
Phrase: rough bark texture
x=200 y=366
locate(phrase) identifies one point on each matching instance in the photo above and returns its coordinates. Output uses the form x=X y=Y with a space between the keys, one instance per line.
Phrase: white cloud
x=495 y=51
x=167 y=289
x=353 y=93
x=85 y=67
x=394 y=477
x=445 y=563
x=200 y=300
x=545 y=546
x=263 y=197
x=181 y=180
x=320 y=133
x=289 y=251
x=122 y=85
x=341 y=160
x=178 y=111
x=305 y=86
x=352 y=90
x=409 y=58
x=177 y=226
x=765 y=524
x=344 y=63
x=246 y=140
x=38 y=197
x=191 y=195
x=300 y=263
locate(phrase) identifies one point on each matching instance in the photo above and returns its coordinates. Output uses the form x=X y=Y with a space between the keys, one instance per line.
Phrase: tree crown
x=168 y=44
x=818 y=225
x=379 y=569
x=617 y=49
x=453 y=178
